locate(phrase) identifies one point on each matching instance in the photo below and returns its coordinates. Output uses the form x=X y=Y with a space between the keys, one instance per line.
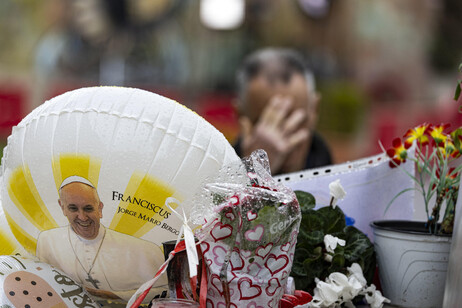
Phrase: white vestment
x=122 y=264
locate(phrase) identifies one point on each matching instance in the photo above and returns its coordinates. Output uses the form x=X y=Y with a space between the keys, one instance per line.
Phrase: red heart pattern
x=293 y=237
x=237 y=263
x=285 y=247
x=233 y=276
x=251 y=215
x=255 y=234
x=216 y=283
x=219 y=253
x=234 y=200
x=221 y=231
x=263 y=251
x=253 y=304
x=205 y=247
x=273 y=285
x=210 y=292
x=230 y=215
x=247 y=289
x=246 y=253
x=273 y=302
x=276 y=264
x=254 y=269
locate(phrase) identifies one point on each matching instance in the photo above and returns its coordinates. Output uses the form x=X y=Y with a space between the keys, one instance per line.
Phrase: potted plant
x=333 y=261
x=413 y=256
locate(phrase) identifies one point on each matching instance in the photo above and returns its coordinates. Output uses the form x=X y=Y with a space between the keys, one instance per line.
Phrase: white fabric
x=123 y=263
x=75 y=178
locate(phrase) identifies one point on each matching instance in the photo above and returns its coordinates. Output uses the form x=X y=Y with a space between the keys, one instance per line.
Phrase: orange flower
x=398 y=152
x=417 y=133
x=432 y=160
x=450 y=149
x=438 y=134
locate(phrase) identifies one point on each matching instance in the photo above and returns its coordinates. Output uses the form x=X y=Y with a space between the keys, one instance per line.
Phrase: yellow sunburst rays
x=141 y=206
x=23 y=193
x=66 y=165
x=25 y=239
x=7 y=244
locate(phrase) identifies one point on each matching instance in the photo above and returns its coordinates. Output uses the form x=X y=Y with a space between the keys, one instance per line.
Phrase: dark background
x=382 y=66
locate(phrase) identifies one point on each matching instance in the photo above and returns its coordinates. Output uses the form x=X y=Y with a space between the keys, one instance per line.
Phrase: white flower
x=350 y=287
x=355 y=287
x=327 y=292
x=374 y=297
x=331 y=242
x=336 y=191
x=316 y=302
x=338 y=279
x=340 y=289
x=355 y=271
x=327 y=257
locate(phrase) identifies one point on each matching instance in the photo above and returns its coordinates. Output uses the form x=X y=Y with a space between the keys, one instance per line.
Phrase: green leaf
x=357 y=244
x=306 y=200
x=298 y=269
x=316 y=254
x=314 y=268
x=359 y=249
x=457 y=92
x=311 y=221
x=334 y=219
x=312 y=238
x=455 y=137
x=338 y=263
x=301 y=283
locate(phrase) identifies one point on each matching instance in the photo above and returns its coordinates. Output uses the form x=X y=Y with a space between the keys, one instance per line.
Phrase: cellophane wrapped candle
x=249 y=230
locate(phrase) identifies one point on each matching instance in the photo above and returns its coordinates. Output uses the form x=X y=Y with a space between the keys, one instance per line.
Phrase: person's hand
x=280 y=132
x=102 y=293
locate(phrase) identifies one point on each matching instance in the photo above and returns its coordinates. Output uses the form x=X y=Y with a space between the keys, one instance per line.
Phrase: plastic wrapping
x=249 y=234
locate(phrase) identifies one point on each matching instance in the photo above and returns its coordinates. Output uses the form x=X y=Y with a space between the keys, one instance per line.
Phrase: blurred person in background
x=89 y=42
x=114 y=42
x=278 y=110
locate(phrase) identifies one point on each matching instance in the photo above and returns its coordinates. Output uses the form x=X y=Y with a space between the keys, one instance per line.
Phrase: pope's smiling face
x=81 y=205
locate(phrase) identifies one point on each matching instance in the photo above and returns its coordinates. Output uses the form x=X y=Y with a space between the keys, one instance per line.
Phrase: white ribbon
x=191 y=252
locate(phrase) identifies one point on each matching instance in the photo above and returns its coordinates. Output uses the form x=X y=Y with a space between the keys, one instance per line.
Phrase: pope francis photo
x=109 y=264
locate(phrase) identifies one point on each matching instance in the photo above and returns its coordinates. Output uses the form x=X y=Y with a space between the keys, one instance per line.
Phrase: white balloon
x=136 y=147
